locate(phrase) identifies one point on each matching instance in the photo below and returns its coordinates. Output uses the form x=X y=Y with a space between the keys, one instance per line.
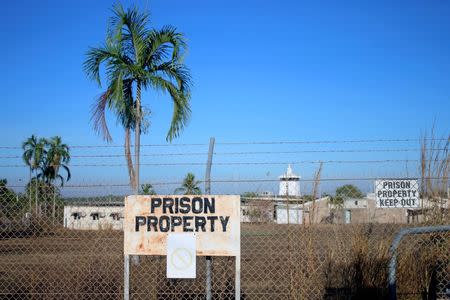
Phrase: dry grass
x=434 y=170
x=278 y=262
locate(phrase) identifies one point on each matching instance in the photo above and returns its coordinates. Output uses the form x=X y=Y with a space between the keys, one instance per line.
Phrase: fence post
x=126 y=277
x=237 y=283
x=208 y=191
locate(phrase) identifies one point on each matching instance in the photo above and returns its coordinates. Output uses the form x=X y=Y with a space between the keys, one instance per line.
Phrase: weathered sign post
x=211 y=221
x=397 y=193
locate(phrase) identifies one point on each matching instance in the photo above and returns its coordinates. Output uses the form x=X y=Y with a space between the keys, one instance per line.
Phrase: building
x=258 y=210
x=287 y=208
x=289 y=184
x=289 y=213
x=89 y=216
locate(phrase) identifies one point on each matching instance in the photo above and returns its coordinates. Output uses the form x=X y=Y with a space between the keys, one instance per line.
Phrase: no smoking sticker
x=181 y=255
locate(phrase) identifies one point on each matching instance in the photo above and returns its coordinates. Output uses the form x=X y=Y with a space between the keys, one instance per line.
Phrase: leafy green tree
x=11 y=204
x=56 y=157
x=45 y=196
x=189 y=186
x=336 y=200
x=308 y=198
x=34 y=152
x=249 y=194
x=349 y=191
x=137 y=58
x=46 y=158
x=147 y=189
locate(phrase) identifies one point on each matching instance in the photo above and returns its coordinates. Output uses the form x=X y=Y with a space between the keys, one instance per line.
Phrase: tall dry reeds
x=315 y=192
x=434 y=172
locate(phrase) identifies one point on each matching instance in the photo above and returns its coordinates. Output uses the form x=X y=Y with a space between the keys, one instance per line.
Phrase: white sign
x=397 y=193
x=181 y=255
x=215 y=220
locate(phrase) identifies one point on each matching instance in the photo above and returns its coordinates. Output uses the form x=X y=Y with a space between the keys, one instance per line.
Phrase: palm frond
x=98 y=115
x=94 y=58
x=181 y=106
x=115 y=23
x=109 y=54
x=166 y=37
x=66 y=168
x=124 y=109
x=178 y=73
x=128 y=30
x=179 y=190
x=61 y=179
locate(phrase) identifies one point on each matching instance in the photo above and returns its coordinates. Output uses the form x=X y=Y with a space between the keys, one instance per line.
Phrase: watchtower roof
x=289 y=174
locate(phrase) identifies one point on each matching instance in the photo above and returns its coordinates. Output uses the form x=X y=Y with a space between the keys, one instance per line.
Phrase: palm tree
x=58 y=156
x=189 y=186
x=33 y=155
x=147 y=189
x=46 y=157
x=34 y=152
x=138 y=58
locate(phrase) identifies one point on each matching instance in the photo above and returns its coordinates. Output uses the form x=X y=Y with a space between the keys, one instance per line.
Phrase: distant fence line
x=56 y=247
x=259 y=143
x=296 y=243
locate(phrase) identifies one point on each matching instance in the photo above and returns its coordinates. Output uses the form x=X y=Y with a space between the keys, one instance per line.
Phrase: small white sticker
x=181 y=255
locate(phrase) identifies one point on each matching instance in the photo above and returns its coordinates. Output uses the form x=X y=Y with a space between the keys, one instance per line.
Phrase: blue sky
x=263 y=70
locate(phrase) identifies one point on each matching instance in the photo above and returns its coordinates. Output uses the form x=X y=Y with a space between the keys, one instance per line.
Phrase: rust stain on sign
x=215 y=219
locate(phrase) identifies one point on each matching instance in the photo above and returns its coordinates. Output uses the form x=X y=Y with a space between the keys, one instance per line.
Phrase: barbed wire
x=257 y=143
x=245 y=180
x=237 y=163
x=242 y=153
x=331 y=141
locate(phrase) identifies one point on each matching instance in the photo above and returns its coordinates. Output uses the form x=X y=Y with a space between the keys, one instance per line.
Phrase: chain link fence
x=317 y=238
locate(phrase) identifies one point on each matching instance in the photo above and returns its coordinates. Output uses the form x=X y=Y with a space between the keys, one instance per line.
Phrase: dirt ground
x=278 y=262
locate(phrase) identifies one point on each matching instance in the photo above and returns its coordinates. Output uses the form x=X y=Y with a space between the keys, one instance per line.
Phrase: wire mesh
x=318 y=237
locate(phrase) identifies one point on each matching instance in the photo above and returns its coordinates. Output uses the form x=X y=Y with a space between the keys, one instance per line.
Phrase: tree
x=34 y=152
x=348 y=191
x=57 y=156
x=33 y=155
x=46 y=196
x=336 y=200
x=46 y=158
x=189 y=186
x=11 y=204
x=138 y=58
x=147 y=189
x=249 y=195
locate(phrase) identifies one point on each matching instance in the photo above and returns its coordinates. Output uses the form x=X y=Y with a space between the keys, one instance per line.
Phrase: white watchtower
x=289 y=183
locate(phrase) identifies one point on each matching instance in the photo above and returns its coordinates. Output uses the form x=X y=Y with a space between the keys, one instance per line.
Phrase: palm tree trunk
x=54 y=208
x=137 y=139
x=128 y=156
x=36 y=197
x=30 y=195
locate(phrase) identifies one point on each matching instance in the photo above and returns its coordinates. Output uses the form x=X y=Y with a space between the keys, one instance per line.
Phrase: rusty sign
x=215 y=219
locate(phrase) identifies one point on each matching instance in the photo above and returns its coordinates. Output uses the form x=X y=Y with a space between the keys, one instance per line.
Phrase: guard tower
x=289 y=183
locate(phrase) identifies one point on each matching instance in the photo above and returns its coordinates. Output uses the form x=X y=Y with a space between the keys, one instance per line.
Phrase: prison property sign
x=215 y=220
x=397 y=193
